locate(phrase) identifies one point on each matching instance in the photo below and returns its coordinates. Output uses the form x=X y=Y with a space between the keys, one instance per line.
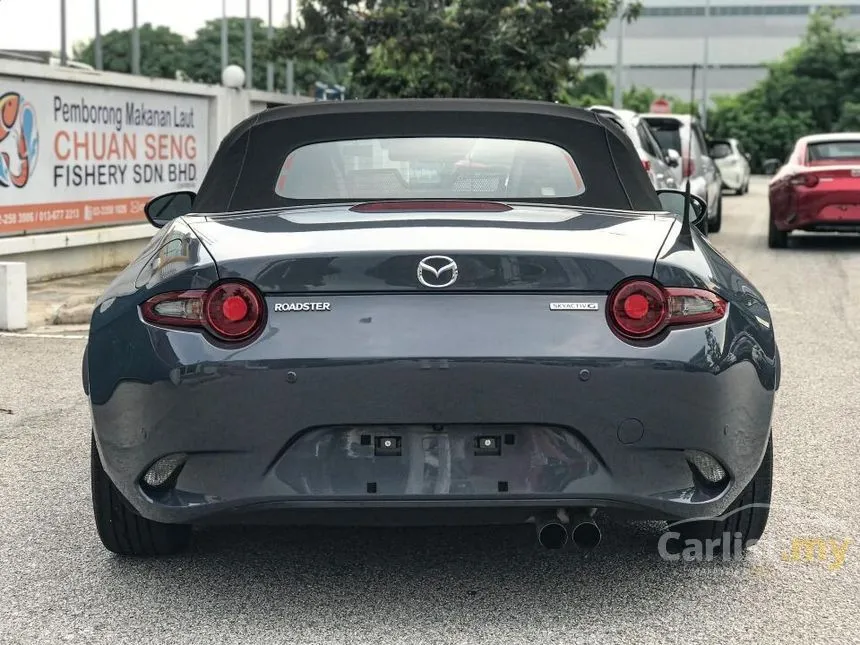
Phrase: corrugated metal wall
x=668 y=38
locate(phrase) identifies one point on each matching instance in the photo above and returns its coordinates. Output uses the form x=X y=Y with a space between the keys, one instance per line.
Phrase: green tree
x=204 y=57
x=591 y=89
x=814 y=88
x=203 y=52
x=595 y=89
x=453 y=48
x=162 y=51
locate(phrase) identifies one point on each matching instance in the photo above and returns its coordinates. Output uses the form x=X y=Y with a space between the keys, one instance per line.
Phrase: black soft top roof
x=243 y=173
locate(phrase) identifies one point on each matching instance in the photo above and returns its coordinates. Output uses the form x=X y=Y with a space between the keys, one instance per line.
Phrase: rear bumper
x=285 y=435
x=732 y=178
x=817 y=210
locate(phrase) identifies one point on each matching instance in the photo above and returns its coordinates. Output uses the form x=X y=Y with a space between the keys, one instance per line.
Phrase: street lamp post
x=63 y=57
x=270 y=66
x=225 y=56
x=291 y=73
x=617 y=94
x=135 y=40
x=249 y=72
x=706 y=64
x=98 y=44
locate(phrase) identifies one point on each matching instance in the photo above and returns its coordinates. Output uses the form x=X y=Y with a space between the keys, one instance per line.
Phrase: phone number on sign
x=31 y=217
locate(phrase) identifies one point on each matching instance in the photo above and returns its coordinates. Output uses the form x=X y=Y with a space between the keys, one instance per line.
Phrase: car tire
x=745 y=526
x=715 y=224
x=776 y=239
x=121 y=529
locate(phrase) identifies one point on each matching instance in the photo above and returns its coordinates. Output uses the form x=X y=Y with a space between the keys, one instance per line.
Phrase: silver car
x=656 y=160
x=684 y=134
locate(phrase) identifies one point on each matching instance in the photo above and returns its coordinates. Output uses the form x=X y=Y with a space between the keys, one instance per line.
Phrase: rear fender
x=175 y=260
x=694 y=263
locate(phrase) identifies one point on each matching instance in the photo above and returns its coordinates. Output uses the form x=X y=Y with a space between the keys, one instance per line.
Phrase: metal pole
x=249 y=61
x=693 y=89
x=270 y=66
x=63 y=57
x=685 y=158
x=225 y=56
x=291 y=67
x=706 y=65
x=617 y=94
x=99 y=55
x=291 y=77
x=135 y=40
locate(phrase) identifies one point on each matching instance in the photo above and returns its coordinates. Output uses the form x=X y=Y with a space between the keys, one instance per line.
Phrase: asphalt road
x=270 y=585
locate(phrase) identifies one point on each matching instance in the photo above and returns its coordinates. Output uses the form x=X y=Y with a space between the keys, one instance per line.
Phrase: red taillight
x=230 y=311
x=640 y=308
x=806 y=179
x=646 y=164
x=688 y=167
x=432 y=206
x=233 y=310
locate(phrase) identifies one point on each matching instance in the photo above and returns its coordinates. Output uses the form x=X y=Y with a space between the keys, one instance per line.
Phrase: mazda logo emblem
x=437 y=271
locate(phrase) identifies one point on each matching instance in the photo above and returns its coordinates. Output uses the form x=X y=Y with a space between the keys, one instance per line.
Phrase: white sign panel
x=74 y=156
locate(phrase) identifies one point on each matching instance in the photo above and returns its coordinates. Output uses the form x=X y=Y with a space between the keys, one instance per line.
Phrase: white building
x=662 y=45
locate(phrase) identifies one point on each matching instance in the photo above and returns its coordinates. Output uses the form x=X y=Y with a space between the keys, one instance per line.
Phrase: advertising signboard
x=78 y=156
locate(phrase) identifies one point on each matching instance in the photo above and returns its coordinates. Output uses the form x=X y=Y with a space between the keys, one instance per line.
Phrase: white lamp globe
x=233 y=76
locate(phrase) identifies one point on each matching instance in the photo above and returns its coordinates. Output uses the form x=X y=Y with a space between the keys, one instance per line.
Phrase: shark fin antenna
x=688 y=205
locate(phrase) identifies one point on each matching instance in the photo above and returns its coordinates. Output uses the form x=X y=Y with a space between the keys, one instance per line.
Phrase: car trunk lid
x=829 y=176
x=378 y=247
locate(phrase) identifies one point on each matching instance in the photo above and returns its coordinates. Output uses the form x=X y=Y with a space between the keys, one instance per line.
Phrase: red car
x=818 y=189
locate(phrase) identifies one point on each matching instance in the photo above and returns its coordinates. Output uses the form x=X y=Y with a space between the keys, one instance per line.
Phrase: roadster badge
x=303 y=306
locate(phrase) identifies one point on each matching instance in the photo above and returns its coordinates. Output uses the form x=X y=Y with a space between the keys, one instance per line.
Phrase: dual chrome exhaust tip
x=555 y=530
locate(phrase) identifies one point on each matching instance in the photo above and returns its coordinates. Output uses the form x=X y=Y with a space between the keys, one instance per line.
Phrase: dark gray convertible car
x=429 y=311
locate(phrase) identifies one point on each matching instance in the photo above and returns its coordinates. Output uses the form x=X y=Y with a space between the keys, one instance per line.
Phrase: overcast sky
x=35 y=24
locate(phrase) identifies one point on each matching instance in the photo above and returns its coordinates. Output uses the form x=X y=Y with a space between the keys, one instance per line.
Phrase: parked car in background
x=818 y=188
x=733 y=162
x=684 y=134
x=658 y=164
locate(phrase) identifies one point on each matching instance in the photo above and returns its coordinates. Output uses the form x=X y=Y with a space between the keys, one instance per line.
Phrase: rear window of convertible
x=430 y=168
x=834 y=150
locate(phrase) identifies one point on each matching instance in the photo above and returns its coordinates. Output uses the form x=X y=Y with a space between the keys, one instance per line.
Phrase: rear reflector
x=706 y=465
x=164 y=470
x=430 y=206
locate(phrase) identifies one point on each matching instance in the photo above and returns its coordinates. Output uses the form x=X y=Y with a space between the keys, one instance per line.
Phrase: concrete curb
x=13 y=296
x=77 y=310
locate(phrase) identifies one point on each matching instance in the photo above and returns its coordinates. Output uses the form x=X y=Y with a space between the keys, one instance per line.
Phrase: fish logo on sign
x=19 y=140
